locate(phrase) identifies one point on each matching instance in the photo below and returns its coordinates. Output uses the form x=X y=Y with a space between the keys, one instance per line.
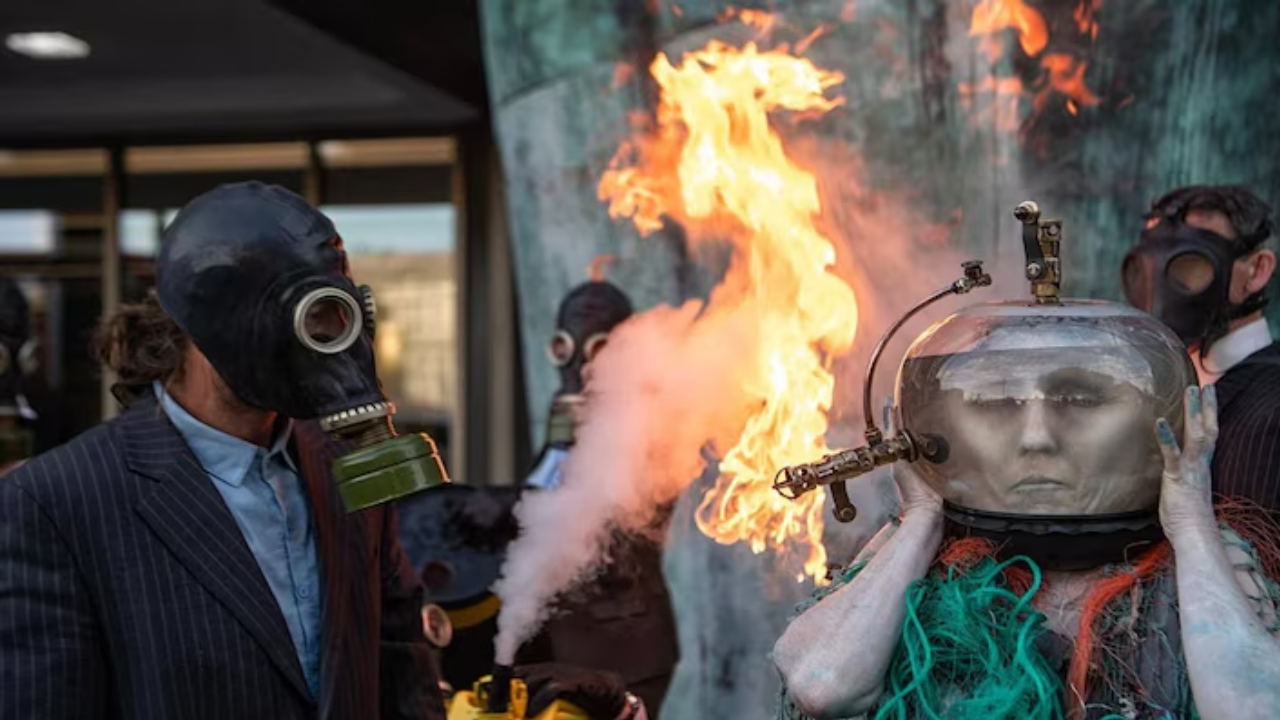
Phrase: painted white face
x=1044 y=413
x=1052 y=439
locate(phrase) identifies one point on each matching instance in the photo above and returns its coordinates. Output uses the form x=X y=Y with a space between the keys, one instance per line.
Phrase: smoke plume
x=666 y=386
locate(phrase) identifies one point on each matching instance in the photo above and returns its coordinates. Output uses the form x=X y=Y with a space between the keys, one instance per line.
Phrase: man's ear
x=1261 y=267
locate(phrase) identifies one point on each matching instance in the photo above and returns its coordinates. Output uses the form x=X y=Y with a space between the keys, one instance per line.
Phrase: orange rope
x=1097 y=600
x=963 y=554
x=1252 y=522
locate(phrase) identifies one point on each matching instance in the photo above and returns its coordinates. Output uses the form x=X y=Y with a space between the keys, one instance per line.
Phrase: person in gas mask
x=586 y=317
x=16 y=416
x=1202 y=266
x=194 y=557
x=622 y=621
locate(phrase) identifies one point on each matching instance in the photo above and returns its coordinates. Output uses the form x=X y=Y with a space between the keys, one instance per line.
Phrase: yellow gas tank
x=471 y=704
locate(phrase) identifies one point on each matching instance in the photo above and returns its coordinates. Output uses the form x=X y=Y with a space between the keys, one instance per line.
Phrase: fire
x=1062 y=73
x=758 y=19
x=715 y=162
x=1084 y=17
x=992 y=16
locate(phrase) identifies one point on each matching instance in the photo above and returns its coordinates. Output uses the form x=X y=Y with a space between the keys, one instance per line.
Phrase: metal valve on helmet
x=835 y=469
x=1040 y=242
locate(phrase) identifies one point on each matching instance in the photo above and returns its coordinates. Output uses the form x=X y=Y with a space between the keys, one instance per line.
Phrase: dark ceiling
x=210 y=70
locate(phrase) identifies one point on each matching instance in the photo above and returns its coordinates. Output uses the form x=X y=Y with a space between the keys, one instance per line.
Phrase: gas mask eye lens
x=328 y=320
x=594 y=344
x=560 y=348
x=1190 y=272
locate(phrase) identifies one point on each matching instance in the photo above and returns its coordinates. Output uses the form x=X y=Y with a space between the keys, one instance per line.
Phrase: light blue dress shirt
x=548 y=475
x=264 y=492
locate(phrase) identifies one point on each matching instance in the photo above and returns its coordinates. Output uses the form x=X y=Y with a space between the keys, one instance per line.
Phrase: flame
x=1062 y=73
x=1066 y=76
x=1084 y=17
x=758 y=19
x=992 y=16
x=715 y=163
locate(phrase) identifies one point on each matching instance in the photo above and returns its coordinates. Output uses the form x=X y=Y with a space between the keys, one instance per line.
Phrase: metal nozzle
x=792 y=482
x=499 y=700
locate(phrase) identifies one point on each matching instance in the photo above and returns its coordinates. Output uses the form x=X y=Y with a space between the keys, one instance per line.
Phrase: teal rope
x=969 y=630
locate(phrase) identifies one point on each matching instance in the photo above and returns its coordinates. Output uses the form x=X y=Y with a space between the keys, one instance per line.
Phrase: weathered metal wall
x=1187 y=93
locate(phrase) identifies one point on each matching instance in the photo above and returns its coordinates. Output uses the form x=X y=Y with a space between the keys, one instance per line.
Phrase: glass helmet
x=1044 y=409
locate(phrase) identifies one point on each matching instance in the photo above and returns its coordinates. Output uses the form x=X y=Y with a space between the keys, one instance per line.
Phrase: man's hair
x=141 y=344
x=1249 y=216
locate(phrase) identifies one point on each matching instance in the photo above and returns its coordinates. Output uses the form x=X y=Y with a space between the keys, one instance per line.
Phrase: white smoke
x=667 y=384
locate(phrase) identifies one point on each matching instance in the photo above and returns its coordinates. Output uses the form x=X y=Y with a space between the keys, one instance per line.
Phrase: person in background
x=193 y=557
x=1202 y=266
x=623 y=620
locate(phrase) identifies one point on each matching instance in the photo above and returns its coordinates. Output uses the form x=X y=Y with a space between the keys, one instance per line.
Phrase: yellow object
x=470 y=705
x=473 y=615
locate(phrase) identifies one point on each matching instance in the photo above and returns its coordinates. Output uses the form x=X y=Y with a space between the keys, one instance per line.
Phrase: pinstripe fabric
x=127 y=591
x=1247 y=461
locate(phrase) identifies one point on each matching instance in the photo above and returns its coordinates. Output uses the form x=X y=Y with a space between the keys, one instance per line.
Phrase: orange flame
x=1066 y=76
x=1063 y=73
x=758 y=19
x=992 y=16
x=1084 y=17
x=716 y=162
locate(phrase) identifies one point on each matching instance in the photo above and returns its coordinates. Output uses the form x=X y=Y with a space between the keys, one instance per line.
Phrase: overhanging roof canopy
x=199 y=70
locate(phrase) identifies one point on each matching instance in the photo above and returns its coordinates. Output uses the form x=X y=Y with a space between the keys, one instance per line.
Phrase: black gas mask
x=17 y=352
x=258 y=279
x=587 y=315
x=1182 y=275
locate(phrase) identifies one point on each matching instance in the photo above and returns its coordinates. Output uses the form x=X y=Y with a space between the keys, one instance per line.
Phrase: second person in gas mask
x=1202 y=266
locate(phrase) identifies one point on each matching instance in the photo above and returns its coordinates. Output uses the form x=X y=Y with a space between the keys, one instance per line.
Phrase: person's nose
x=1037 y=433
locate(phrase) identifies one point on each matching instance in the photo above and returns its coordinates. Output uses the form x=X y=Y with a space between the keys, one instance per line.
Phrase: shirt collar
x=1231 y=350
x=225 y=457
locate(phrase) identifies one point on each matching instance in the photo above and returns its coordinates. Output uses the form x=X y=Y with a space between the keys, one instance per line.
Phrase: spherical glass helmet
x=1044 y=409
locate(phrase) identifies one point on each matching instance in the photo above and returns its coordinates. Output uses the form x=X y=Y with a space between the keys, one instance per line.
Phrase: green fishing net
x=965 y=630
x=973 y=648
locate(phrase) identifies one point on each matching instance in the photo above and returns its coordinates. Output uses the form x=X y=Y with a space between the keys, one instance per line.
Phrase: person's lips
x=1039 y=484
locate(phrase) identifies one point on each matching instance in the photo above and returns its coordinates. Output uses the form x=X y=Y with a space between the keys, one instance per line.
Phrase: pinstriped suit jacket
x=127 y=591
x=1246 y=462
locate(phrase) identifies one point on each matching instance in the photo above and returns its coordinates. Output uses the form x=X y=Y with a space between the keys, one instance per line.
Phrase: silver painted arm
x=833 y=657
